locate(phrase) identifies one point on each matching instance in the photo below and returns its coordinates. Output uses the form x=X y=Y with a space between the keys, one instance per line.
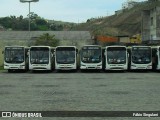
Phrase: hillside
x=126 y=23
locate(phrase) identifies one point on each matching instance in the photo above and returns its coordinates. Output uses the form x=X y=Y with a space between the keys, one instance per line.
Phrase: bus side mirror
x=28 y=53
x=157 y=52
x=51 y=54
x=2 y=52
x=76 y=50
x=105 y=53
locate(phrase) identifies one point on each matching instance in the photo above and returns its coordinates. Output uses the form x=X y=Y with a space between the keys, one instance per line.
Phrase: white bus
x=15 y=58
x=116 y=58
x=66 y=58
x=156 y=57
x=91 y=57
x=141 y=58
x=40 y=58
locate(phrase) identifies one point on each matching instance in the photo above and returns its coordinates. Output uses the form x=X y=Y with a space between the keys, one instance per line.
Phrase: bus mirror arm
x=157 y=52
x=28 y=52
x=51 y=54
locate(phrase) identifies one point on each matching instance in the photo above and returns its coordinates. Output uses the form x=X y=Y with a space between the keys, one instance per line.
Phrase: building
x=151 y=22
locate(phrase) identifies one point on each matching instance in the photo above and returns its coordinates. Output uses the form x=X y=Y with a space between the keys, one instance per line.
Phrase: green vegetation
x=48 y=40
x=1 y=68
x=37 y=23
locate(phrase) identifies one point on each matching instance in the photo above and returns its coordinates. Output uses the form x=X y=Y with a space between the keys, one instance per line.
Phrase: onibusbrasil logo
x=21 y=114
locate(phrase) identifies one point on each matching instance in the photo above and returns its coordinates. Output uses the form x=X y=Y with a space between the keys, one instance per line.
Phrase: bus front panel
x=116 y=58
x=40 y=58
x=141 y=58
x=14 y=58
x=91 y=57
x=65 y=58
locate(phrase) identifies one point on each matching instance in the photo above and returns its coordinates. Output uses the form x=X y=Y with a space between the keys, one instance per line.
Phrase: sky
x=77 y=11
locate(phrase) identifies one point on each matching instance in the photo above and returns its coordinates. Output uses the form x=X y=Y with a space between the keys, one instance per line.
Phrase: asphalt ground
x=91 y=91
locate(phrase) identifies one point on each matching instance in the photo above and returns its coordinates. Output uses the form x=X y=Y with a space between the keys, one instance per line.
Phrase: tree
x=20 y=17
x=48 y=40
x=41 y=22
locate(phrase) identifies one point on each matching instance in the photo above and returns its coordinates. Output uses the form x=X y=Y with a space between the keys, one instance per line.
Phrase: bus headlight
x=99 y=65
x=21 y=66
x=83 y=65
x=133 y=65
x=149 y=67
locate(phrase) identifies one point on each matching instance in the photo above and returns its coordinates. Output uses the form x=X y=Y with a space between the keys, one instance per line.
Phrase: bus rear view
x=15 y=58
x=66 y=58
x=91 y=57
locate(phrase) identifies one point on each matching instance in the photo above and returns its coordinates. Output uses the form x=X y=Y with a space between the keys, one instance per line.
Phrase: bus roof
x=141 y=46
x=90 y=45
x=15 y=46
x=39 y=46
x=65 y=46
x=115 y=46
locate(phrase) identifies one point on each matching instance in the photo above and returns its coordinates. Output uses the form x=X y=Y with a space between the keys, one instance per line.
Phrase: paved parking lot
x=130 y=91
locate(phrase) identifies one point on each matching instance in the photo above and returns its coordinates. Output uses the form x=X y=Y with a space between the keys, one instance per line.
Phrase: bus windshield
x=91 y=54
x=65 y=55
x=39 y=55
x=141 y=55
x=116 y=55
x=14 y=54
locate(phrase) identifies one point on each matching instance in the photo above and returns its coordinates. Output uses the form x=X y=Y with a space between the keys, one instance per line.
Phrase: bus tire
x=9 y=70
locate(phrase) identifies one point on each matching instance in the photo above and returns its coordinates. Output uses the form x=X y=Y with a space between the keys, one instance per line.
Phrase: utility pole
x=29 y=20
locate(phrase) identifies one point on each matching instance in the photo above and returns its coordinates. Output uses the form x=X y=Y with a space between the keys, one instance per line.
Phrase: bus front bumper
x=116 y=67
x=39 y=67
x=91 y=67
x=141 y=67
x=65 y=67
x=14 y=67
